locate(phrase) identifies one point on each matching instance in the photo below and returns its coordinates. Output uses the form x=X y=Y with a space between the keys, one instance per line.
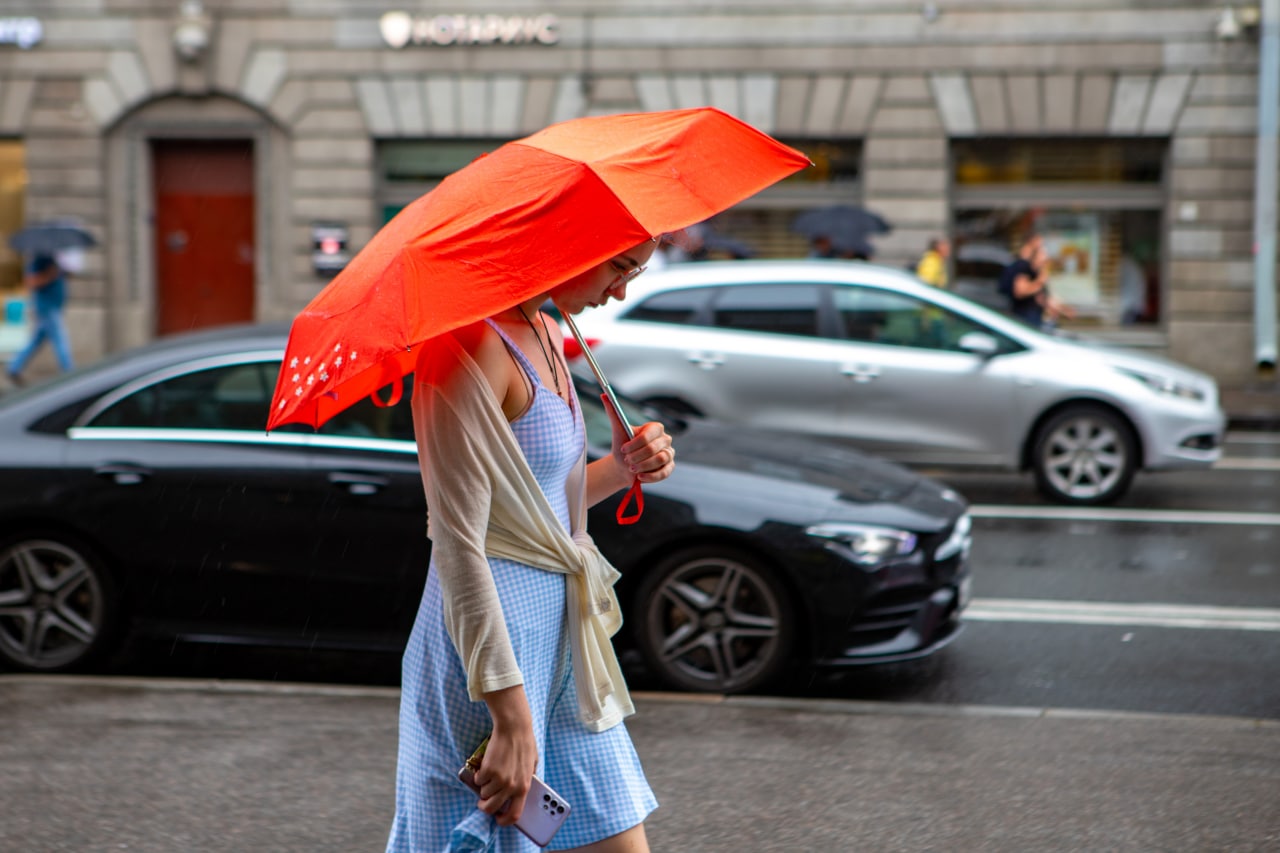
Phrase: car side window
x=366 y=419
x=877 y=316
x=681 y=307
x=781 y=309
x=234 y=397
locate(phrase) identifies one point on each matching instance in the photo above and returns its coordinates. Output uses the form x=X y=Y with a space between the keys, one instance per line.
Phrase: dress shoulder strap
x=523 y=360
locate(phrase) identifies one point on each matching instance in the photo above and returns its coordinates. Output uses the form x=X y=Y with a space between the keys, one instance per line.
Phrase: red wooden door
x=204 y=231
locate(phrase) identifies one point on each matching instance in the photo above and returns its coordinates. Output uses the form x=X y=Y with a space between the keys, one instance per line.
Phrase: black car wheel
x=714 y=621
x=1085 y=455
x=57 y=605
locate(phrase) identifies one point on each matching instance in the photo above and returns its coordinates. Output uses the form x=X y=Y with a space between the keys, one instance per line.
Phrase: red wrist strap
x=633 y=494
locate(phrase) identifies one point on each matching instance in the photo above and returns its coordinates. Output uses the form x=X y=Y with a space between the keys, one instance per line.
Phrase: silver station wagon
x=871 y=355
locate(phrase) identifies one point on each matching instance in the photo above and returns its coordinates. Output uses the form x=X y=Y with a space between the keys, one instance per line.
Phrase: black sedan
x=142 y=495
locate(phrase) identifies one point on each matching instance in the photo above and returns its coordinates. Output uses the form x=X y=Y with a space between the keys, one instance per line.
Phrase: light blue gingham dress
x=598 y=773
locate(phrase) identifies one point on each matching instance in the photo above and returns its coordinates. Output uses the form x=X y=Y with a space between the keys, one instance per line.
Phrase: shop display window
x=1097 y=205
x=13 y=193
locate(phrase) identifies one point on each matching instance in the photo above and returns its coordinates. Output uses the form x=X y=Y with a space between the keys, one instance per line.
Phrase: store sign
x=400 y=29
x=24 y=32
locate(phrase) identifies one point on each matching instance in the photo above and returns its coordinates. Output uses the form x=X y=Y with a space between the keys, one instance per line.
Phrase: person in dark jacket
x=1025 y=283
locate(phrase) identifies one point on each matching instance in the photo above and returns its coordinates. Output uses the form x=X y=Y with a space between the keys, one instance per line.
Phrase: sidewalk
x=163 y=766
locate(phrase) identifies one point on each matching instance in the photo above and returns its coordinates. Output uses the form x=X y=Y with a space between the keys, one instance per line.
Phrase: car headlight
x=1164 y=384
x=866 y=544
x=958 y=542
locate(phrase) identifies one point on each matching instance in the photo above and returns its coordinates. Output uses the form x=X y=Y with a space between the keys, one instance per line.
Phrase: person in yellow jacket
x=932 y=268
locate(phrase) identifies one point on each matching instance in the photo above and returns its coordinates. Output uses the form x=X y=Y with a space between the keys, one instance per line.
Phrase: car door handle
x=123 y=473
x=706 y=361
x=860 y=372
x=359 y=484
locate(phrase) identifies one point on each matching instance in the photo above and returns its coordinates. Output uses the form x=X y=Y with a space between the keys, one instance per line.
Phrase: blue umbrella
x=49 y=237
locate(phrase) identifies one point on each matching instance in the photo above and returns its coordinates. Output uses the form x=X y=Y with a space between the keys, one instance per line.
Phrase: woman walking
x=512 y=635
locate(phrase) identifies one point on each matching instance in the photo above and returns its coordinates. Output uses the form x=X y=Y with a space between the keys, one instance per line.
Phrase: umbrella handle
x=611 y=399
x=633 y=494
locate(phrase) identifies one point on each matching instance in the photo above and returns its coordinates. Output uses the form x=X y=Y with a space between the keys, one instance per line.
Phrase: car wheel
x=58 y=605
x=1085 y=455
x=715 y=621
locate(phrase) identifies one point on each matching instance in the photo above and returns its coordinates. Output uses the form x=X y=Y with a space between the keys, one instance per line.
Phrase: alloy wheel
x=1085 y=455
x=714 y=624
x=53 y=605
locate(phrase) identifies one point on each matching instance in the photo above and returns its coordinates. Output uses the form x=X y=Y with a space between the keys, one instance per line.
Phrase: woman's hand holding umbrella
x=646 y=456
x=649 y=457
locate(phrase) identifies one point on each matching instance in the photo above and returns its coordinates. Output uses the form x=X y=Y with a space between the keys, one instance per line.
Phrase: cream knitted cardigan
x=483 y=501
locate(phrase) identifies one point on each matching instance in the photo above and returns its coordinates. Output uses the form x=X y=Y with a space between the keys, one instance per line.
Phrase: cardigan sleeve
x=457 y=478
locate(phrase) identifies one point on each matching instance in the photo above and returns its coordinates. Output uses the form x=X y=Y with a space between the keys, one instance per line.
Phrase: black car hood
x=853 y=475
x=743 y=478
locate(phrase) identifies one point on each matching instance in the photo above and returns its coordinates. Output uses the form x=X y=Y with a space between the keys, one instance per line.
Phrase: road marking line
x=1158 y=516
x=1242 y=463
x=1107 y=613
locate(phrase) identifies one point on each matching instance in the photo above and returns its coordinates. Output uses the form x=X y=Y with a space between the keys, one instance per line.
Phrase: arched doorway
x=197 y=216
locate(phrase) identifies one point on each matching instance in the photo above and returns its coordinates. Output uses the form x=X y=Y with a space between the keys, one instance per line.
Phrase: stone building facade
x=1123 y=128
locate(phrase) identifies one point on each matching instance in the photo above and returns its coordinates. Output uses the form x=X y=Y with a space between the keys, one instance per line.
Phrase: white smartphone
x=544 y=810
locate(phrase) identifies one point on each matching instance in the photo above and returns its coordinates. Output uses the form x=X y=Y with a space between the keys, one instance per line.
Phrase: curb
x=850 y=707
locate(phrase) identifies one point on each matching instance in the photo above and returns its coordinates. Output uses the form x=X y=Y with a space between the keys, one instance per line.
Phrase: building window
x=1098 y=205
x=408 y=169
x=13 y=194
x=763 y=222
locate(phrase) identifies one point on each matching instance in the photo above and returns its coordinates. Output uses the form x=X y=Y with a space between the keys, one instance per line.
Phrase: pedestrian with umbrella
x=46 y=280
x=840 y=231
x=512 y=637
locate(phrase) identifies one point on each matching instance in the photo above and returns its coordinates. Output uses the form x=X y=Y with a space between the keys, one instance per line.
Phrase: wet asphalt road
x=1208 y=541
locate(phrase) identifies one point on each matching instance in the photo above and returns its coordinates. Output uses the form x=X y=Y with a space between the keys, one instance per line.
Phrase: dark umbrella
x=845 y=225
x=50 y=237
x=856 y=247
x=731 y=246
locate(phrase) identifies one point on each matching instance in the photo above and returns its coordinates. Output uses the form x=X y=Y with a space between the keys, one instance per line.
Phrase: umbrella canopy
x=846 y=226
x=49 y=237
x=512 y=224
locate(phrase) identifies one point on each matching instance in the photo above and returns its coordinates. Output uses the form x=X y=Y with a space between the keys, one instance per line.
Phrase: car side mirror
x=979 y=343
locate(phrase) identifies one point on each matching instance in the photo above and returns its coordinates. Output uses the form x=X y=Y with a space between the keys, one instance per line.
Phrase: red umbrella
x=513 y=224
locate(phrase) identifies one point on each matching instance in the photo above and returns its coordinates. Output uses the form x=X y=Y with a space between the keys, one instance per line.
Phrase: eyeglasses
x=627 y=276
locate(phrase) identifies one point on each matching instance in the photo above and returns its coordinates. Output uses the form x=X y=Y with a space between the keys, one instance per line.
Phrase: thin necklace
x=555 y=374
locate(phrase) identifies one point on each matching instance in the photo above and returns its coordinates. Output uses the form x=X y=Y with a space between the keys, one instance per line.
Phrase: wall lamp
x=191 y=32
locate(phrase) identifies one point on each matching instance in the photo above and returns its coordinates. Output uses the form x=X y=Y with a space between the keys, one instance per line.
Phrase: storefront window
x=13 y=193
x=763 y=222
x=1097 y=206
x=409 y=169
x=1057 y=160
